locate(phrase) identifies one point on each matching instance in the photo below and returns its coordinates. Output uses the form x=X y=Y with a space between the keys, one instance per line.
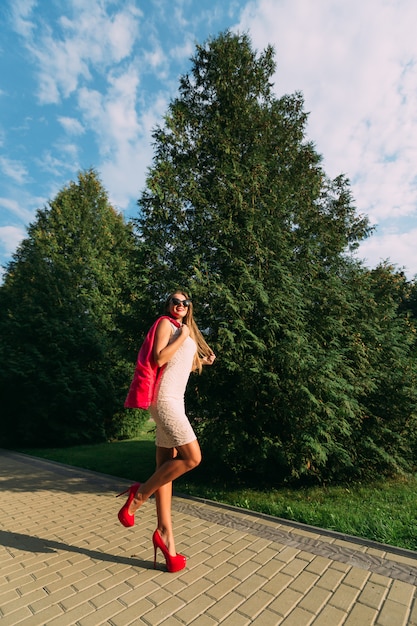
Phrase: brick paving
x=66 y=560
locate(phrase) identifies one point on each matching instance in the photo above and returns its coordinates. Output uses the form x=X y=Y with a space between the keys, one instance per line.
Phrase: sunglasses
x=177 y=302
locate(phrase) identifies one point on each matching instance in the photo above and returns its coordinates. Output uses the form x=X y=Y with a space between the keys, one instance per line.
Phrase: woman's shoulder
x=168 y=321
x=165 y=323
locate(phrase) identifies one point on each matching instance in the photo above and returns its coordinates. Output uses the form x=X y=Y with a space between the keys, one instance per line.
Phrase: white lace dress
x=167 y=409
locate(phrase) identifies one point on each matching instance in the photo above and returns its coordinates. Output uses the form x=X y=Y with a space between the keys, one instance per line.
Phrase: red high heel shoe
x=124 y=516
x=174 y=563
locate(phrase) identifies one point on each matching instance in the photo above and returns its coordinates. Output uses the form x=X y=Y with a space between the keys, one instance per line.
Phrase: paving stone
x=236 y=619
x=287 y=554
x=402 y=592
x=330 y=579
x=73 y=578
x=412 y=619
x=225 y=606
x=114 y=593
x=21 y=616
x=373 y=595
x=51 y=599
x=278 y=583
x=293 y=568
x=80 y=597
x=161 y=613
x=250 y=585
x=265 y=556
x=19 y=578
x=194 y=609
x=204 y=620
x=10 y=595
x=246 y=570
x=393 y=613
x=139 y=591
x=315 y=599
x=222 y=588
x=304 y=582
x=356 y=578
x=203 y=585
x=306 y=556
x=218 y=573
x=131 y=614
x=215 y=548
x=361 y=615
x=74 y=616
x=270 y=569
x=344 y=597
x=286 y=602
x=100 y=616
x=44 y=617
x=256 y=604
x=331 y=616
x=318 y=565
x=62 y=564
x=298 y=617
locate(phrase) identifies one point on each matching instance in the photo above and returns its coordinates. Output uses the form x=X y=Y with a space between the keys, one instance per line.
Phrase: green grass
x=383 y=511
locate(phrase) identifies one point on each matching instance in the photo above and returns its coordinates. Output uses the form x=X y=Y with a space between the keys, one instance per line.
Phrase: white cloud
x=124 y=174
x=11 y=237
x=14 y=170
x=112 y=115
x=186 y=50
x=71 y=125
x=18 y=209
x=21 y=13
x=67 y=160
x=356 y=65
x=389 y=247
x=155 y=58
x=66 y=52
x=123 y=126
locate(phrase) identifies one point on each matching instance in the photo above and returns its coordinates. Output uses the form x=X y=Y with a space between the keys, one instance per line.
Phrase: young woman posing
x=174 y=347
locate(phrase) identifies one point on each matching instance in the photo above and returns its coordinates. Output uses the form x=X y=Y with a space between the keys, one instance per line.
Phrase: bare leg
x=163 y=498
x=188 y=457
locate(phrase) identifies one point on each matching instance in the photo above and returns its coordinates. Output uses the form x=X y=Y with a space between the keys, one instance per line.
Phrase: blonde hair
x=203 y=349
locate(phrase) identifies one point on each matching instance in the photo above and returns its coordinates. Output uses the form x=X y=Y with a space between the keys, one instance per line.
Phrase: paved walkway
x=65 y=560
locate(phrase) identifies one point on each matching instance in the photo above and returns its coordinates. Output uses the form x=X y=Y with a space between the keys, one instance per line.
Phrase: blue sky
x=84 y=82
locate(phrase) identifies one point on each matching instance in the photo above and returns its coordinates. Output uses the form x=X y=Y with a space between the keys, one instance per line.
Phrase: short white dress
x=167 y=409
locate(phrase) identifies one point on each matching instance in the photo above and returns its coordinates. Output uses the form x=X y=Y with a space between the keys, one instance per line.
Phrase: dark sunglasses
x=177 y=302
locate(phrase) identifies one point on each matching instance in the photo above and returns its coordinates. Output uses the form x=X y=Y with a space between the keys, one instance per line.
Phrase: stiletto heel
x=124 y=516
x=173 y=563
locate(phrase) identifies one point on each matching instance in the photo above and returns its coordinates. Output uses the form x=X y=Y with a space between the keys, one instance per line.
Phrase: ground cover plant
x=382 y=510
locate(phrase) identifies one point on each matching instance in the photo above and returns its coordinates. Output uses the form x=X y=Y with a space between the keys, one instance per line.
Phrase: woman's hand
x=208 y=360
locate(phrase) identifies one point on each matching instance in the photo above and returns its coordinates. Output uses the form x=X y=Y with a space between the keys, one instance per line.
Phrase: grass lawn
x=384 y=511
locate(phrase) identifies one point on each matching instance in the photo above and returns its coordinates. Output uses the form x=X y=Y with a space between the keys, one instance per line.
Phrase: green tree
x=239 y=211
x=388 y=435
x=64 y=374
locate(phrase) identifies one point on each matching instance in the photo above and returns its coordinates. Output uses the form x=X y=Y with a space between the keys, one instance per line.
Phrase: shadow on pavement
x=28 y=543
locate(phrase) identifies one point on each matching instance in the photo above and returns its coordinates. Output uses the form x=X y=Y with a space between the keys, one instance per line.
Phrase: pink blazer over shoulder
x=147 y=372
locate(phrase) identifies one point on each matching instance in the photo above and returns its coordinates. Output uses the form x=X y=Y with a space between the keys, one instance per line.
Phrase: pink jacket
x=147 y=372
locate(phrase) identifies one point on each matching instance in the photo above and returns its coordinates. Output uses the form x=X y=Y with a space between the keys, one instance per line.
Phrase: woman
x=173 y=348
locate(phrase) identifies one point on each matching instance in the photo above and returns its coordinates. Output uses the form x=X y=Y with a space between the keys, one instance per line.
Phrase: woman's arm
x=163 y=351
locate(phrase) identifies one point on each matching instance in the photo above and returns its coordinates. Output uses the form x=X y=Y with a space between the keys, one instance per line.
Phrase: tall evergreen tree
x=239 y=211
x=63 y=377
x=388 y=437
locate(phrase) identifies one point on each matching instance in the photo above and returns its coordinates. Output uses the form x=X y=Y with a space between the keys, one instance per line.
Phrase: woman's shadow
x=28 y=543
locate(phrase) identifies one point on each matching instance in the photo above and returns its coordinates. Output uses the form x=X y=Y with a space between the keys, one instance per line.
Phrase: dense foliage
x=315 y=372
x=316 y=369
x=63 y=375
